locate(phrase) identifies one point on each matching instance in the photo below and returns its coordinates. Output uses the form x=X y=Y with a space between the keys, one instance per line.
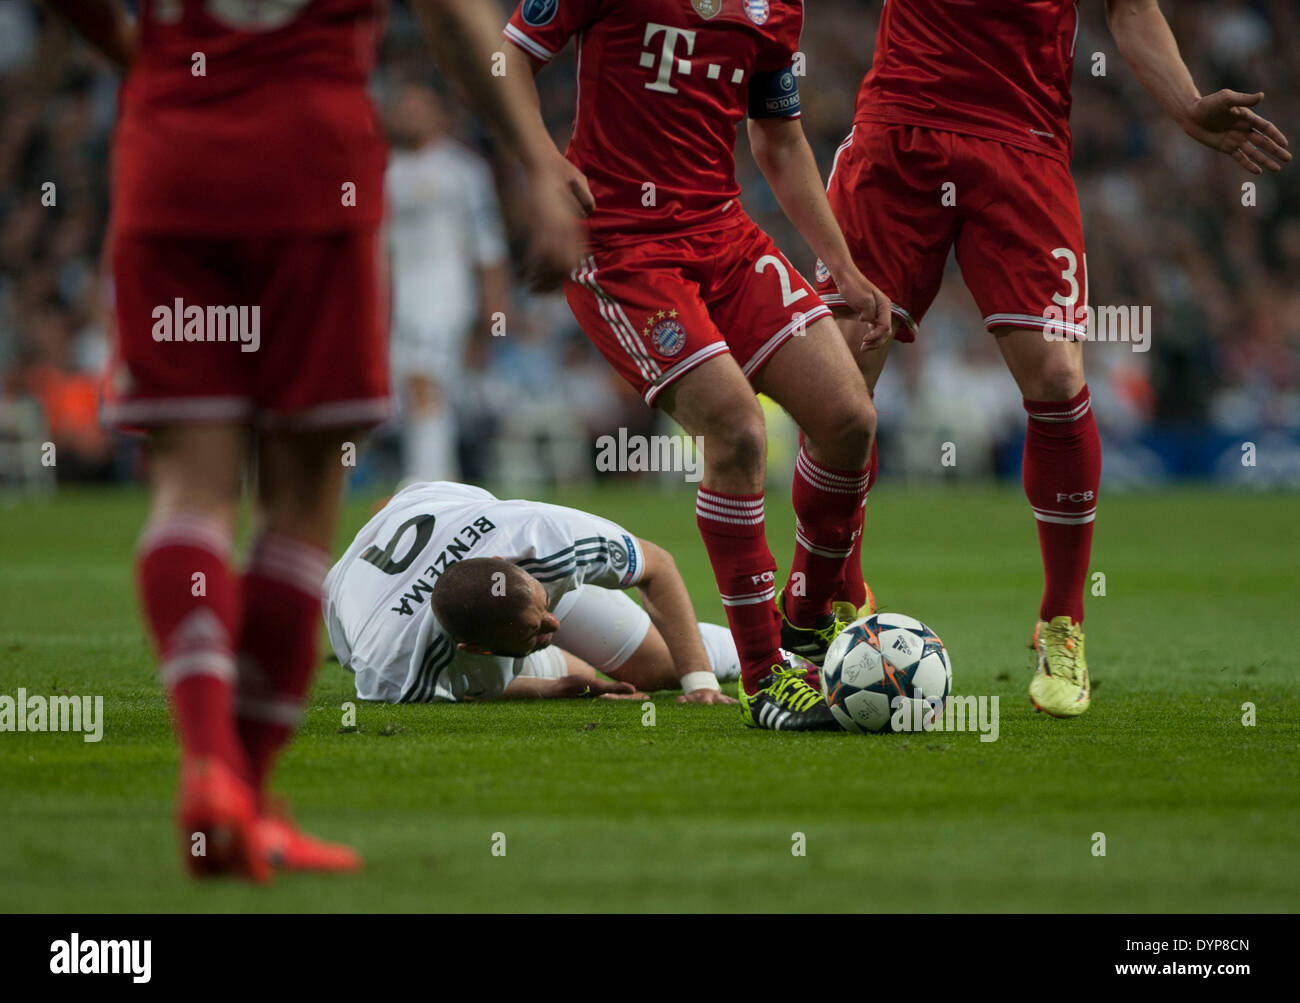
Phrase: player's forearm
x=465 y=36
x=1148 y=46
x=664 y=595
x=494 y=286
x=104 y=24
x=787 y=162
x=528 y=688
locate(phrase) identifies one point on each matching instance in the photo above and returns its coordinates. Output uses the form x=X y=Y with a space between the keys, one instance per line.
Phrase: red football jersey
x=999 y=69
x=662 y=86
x=247 y=116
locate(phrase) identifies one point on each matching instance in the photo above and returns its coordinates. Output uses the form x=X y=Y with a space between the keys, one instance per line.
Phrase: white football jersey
x=443 y=224
x=377 y=597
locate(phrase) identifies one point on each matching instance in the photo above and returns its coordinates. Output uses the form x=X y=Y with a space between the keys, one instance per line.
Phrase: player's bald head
x=487 y=602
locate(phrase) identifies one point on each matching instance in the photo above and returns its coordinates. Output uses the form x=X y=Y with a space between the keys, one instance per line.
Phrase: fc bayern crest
x=758 y=10
x=707 y=8
x=822 y=273
x=668 y=337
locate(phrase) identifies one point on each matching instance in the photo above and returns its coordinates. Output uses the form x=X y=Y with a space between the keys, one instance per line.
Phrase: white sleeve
x=477 y=677
x=594 y=551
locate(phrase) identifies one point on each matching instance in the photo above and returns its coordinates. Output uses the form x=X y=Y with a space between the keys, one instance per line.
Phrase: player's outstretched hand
x=558 y=240
x=589 y=686
x=1223 y=121
x=872 y=305
x=705 y=696
x=608 y=690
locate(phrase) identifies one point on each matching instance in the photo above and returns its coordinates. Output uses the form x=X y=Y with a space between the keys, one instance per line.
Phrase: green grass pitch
x=602 y=813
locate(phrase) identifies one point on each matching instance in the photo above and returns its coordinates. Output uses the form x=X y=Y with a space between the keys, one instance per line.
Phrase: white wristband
x=693 y=681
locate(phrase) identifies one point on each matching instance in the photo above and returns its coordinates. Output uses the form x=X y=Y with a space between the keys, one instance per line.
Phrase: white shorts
x=434 y=351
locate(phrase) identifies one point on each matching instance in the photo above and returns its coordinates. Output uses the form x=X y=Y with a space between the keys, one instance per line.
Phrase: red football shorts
x=658 y=309
x=904 y=195
x=284 y=331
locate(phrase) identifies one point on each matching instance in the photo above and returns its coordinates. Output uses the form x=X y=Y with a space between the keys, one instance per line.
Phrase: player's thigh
x=300 y=478
x=607 y=629
x=888 y=192
x=871 y=363
x=197 y=468
x=716 y=402
x=816 y=379
x=322 y=358
x=1045 y=368
x=644 y=312
x=1021 y=248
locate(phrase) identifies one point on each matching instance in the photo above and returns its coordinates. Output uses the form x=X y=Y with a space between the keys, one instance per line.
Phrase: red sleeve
x=782 y=41
x=542 y=27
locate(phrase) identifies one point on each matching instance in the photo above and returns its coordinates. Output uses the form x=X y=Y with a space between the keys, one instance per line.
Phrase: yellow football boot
x=1060 y=685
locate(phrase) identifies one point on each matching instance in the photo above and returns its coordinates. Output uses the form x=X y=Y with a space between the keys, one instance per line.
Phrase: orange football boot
x=216 y=805
x=287 y=848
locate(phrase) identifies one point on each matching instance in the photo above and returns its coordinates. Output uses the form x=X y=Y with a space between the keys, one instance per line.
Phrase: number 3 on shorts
x=1068 y=274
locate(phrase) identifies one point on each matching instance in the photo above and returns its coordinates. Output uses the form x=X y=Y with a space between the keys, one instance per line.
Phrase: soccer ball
x=886 y=672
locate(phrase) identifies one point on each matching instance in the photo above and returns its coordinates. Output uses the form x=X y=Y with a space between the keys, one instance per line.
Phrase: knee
x=845 y=434
x=736 y=442
x=1059 y=378
x=859 y=425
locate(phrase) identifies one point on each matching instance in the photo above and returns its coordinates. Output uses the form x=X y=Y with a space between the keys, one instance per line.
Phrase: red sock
x=827 y=508
x=278 y=645
x=190 y=601
x=854 y=588
x=732 y=527
x=1062 y=474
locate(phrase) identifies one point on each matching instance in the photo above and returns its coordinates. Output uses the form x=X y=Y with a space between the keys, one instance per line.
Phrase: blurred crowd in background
x=1164 y=220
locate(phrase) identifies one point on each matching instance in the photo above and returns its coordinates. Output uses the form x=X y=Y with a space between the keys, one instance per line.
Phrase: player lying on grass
x=973 y=100
x=449 y=593
x=255 y=189
x=698 y=309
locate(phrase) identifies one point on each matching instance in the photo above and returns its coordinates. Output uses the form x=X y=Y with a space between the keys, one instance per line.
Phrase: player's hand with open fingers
x=1224 y=121
x=706 y=696
x=591 y=686
x=872 y=305
x=607 y=689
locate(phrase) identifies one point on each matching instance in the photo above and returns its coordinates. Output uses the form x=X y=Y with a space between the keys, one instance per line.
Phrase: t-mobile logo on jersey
x=669 y=61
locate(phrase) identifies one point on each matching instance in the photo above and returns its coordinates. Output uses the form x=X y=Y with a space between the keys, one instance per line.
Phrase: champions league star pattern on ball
x=886 y=672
